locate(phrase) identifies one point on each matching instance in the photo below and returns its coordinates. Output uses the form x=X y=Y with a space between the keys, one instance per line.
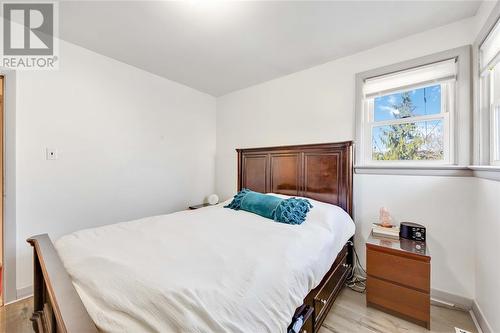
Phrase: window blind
x=406 y=79
x=489 y=51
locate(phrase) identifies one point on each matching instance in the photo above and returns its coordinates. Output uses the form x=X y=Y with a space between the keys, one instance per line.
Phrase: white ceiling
x=221 y=46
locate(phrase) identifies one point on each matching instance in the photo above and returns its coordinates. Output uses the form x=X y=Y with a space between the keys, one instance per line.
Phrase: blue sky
x=427 y=101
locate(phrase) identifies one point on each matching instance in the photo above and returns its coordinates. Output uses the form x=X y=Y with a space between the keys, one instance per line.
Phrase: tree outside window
x=405 y=126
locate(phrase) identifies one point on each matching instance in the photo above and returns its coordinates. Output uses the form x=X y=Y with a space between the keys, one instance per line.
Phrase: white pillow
x=324 y=214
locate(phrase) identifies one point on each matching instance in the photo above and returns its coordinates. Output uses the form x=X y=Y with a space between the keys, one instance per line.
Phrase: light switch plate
x=51 y=154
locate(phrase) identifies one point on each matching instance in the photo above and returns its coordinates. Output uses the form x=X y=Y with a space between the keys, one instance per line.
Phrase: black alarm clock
x=413 y=231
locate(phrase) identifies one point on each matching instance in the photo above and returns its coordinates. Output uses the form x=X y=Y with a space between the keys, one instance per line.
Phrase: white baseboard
x=463 y=303
x=476 y=323
x=451 y=300
x=480 y=318
x=24 y=292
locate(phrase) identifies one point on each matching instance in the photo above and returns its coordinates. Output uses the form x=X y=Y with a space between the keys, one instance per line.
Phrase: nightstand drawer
x=405 y=271
x=392 y=297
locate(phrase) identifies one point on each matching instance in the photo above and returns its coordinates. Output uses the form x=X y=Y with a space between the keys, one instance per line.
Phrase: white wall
x=487 y=217
x=317 y=105
x=131 y=144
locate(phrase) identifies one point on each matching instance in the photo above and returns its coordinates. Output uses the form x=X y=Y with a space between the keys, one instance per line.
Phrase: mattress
x=208 y=270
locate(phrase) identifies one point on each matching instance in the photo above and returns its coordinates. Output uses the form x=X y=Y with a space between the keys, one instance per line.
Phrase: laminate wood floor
x=14 y=317
x=349 y=314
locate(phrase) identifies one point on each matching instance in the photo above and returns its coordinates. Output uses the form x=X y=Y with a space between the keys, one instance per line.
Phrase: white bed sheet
x=208 y=270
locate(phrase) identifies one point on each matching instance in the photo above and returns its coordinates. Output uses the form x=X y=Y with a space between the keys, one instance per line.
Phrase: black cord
x=357 y=259
x=357 y=277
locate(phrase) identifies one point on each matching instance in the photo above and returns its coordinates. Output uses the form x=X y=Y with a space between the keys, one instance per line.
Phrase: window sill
x=489 y=168
x=491 y=172
x=428 y=170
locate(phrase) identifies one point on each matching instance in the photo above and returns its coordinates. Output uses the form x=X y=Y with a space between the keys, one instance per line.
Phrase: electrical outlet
x=459 y=330
x=50 y=154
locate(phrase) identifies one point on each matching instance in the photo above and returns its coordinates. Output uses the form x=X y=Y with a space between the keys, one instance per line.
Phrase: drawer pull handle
x=345 y=265
x=323 y=301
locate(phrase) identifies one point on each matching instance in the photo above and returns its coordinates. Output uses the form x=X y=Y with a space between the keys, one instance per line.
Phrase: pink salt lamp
x=385 y=218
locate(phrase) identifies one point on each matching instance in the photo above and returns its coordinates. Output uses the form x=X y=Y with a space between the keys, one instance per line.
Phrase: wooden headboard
x=321 y=172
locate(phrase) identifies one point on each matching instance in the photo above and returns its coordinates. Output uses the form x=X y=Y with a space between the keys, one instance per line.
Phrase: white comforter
x=208 y=270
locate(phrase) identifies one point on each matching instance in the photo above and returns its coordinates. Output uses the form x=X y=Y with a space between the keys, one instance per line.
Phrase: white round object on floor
x=213 y=199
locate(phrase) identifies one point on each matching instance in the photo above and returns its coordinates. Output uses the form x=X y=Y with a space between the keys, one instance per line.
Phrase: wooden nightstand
x=398 y=278
x=199 y=206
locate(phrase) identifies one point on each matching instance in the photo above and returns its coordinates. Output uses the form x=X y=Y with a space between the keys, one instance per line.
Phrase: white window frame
x=485 y=164
x=446 y=115
x=489 y=108
x=494 y=109
x=460 y=119
x=495 y=133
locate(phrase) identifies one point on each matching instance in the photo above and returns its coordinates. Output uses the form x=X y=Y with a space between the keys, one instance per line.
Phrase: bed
x=212 y=283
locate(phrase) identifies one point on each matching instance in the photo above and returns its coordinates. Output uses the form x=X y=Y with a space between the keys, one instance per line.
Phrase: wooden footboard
x=57 y=305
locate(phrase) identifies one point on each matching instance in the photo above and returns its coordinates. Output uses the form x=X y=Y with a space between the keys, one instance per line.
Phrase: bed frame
x=320 y=171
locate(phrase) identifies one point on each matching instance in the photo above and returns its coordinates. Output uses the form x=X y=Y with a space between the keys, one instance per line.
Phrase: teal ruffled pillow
x=290 y=211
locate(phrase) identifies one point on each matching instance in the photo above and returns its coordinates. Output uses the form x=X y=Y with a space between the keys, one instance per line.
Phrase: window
x=489 y=62
x=407 y=116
